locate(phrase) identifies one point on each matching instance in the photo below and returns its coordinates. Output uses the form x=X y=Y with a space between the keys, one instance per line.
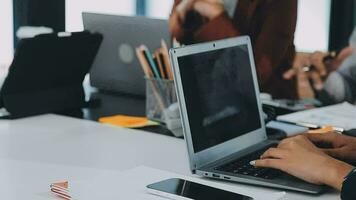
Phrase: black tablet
x=47 y=73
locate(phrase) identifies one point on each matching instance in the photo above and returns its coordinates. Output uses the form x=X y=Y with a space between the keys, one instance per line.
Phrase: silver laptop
x=221 y=113
x=116 y=67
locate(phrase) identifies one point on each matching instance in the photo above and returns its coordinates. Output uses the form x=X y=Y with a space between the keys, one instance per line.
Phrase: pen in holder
x=160 y=95
x=161 y=99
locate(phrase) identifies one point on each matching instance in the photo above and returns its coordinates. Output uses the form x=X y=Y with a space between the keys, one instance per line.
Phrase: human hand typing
x=299 y=157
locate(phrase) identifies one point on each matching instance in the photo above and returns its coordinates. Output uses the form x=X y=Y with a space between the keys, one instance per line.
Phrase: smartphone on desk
x=179 y=189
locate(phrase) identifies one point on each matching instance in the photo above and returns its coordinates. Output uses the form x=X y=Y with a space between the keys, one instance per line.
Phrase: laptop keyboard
x=242 y=166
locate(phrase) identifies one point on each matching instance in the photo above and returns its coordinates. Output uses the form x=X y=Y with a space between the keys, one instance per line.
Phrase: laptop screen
x=220 y=95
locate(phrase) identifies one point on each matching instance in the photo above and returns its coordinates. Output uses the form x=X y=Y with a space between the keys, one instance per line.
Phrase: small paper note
x=128 y=121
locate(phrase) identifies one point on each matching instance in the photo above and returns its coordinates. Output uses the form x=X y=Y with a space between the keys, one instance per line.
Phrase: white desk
x=38 y=150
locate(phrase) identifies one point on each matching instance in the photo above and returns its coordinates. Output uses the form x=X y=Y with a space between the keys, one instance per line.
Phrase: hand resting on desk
x=299 y=157
x=340 y=146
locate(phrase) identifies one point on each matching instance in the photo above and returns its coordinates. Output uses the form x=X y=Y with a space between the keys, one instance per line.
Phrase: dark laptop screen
x=220 y=95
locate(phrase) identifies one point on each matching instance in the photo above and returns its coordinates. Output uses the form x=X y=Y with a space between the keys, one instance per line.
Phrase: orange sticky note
x=127 y=121
x=326 y=129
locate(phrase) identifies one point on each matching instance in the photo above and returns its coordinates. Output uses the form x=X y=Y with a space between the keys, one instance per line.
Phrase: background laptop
x=116 y=67
x=221 y=113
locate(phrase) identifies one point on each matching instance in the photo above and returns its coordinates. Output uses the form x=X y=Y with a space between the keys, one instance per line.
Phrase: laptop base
x=279 y=180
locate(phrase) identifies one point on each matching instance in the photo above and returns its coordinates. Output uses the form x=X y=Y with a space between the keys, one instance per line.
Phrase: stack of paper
x=341 y=116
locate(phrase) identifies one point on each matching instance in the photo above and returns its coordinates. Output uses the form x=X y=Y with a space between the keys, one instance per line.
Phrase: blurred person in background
x=332 y=77
x=271 y=25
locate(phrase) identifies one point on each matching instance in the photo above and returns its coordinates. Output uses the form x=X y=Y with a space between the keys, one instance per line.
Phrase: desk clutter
x=161 y=99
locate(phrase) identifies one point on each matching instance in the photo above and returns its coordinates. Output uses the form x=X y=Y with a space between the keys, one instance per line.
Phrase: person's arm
x=270 y=47
x=185 y=27
x=175 y=22
x=276 y=36
x=299 y=157
x=219 y=24
x=341 y=147
x=183 y=22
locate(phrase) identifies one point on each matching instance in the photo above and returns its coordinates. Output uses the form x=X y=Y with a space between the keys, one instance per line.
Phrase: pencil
x=144 y=63
x=160 y=64
x=149 y=75
x=151 y=62
x=161 y=58
x=166 y=59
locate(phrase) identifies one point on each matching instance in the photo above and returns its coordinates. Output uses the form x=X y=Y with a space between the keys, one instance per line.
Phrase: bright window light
x=313 y=25
x=74 y=9
x=159 y=8
x=6 y=33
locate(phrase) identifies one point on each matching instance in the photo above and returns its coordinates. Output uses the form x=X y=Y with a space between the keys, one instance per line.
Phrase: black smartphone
x=179 y=189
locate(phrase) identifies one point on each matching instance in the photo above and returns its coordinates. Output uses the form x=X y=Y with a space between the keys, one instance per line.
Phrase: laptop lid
x=218 y=92
x=116 y=67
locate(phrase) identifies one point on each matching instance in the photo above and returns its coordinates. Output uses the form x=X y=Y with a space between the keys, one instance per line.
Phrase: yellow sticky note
x=128 y=121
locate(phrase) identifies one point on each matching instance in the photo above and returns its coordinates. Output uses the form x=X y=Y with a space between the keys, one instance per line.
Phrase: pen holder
x=160 y=95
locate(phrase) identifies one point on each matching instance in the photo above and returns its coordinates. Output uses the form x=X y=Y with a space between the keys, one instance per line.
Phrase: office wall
x=6 y=33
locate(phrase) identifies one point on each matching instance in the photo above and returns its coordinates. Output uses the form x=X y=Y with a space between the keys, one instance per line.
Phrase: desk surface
x=40 y=149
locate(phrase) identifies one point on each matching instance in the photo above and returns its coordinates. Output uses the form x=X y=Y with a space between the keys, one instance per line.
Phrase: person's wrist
x=335 y=172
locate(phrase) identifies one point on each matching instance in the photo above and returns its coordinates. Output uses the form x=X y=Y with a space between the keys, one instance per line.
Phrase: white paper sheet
x=341 y=116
